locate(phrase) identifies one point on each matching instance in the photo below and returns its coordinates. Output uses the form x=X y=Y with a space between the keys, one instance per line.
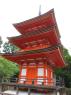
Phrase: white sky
x=13 y=11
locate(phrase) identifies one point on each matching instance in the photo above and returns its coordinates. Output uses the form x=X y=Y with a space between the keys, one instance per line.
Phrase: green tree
x=7 y=68
x=9 y=48
x=1 y=41
x=66 y=71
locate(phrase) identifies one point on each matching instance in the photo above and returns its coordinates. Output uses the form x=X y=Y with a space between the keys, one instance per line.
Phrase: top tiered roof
x=45 y=20
x=38 y=23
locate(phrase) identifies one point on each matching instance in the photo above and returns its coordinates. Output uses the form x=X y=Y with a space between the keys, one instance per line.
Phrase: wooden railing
x=53 y=82
x=8 y=83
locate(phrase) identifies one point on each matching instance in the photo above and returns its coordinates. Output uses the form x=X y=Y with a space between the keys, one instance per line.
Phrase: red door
x=31 y=75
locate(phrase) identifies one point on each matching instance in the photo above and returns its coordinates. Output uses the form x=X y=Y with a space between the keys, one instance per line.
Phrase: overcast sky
x=13 y=11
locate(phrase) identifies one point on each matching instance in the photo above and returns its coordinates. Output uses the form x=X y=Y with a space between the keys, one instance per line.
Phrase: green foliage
x=1 y=41
x=7 y=68
x=66 y=71
x=9 y=48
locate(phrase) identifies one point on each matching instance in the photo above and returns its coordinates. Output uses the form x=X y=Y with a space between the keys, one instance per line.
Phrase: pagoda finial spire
x=39 y=10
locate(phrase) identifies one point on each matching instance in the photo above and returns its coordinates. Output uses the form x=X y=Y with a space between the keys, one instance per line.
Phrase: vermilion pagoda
x=40 y=49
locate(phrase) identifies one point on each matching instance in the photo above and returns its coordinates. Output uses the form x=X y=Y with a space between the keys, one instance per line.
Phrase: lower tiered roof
x=51 y=55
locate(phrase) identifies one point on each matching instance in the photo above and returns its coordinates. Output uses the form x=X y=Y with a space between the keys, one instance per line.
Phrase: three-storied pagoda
x=40 y=49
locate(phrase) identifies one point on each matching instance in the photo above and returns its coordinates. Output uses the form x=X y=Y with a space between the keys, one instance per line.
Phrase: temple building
x=41 y=50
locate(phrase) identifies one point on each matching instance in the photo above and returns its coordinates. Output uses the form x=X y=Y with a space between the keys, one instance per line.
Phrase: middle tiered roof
x=48 y=37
